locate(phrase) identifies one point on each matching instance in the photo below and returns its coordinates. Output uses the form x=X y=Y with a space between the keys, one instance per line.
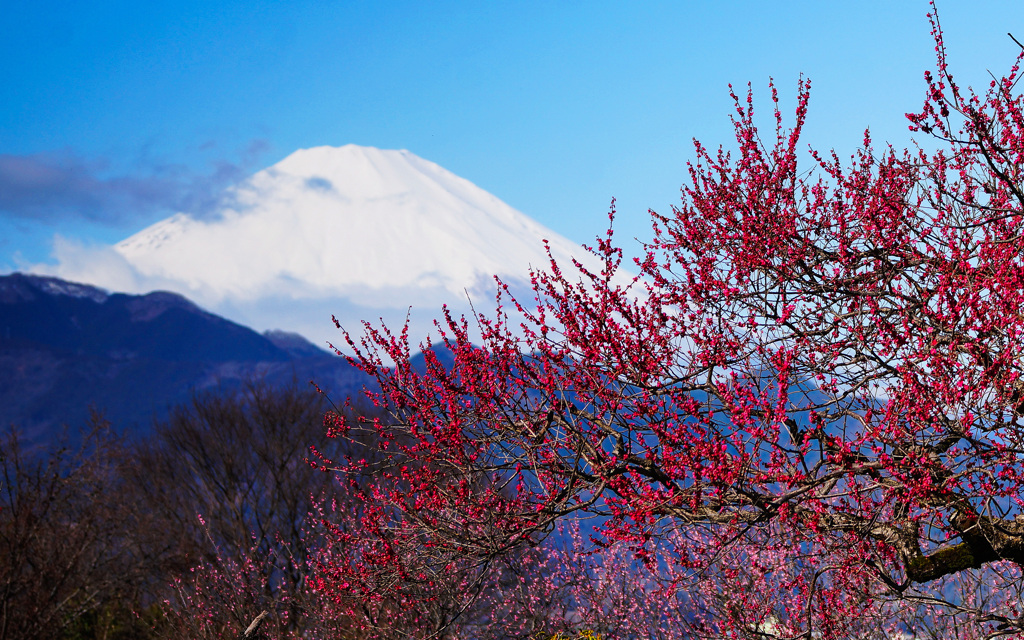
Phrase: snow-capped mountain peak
x=345 y=221
x=357 y=232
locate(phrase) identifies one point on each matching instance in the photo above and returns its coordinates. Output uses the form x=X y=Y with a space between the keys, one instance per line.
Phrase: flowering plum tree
x=805 y=411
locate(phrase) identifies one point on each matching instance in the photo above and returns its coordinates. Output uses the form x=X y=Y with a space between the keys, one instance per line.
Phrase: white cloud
x=99 y=265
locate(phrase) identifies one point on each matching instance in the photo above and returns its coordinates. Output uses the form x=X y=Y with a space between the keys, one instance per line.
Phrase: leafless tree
x=63 y=540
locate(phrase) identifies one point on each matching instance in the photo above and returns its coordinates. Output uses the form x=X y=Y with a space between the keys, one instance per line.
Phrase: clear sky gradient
x=116 y=114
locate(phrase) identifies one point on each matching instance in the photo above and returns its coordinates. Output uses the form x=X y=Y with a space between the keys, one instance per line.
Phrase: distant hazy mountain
x=65 y=347
x=353 y=231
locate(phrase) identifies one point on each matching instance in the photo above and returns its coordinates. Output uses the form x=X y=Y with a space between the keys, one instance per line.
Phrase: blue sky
x=115 y=114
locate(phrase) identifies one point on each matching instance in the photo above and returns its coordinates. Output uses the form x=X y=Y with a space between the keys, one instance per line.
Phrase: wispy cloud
x=53 y=187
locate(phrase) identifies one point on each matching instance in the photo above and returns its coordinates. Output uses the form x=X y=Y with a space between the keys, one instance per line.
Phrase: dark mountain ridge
x=67 y=347
x=87 y=321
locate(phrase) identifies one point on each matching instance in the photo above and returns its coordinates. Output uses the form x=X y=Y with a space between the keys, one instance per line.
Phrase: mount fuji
x=357 y=232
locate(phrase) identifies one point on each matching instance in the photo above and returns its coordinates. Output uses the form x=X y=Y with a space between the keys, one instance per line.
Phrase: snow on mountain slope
x=351 y=221
x=357 y=232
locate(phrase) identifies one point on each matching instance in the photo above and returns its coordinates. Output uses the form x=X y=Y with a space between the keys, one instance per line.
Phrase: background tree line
x=232 y=508
x=97 y=538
